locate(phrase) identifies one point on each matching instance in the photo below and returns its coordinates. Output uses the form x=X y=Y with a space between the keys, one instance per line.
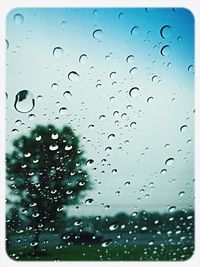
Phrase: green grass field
x=97 y=253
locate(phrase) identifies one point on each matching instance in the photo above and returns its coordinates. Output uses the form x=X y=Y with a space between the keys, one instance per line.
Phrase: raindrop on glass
x=83 y=59
x=53 y=147
x=134 y=92
x=58 y=52
x=172 y=209
x=18 y=19
x=89 y=162
x=134 y=31
x=165 y=50
x=106 y=243
x=67 y=95
x=150 y=99
x=191 y=68
x=130 y=59
x=97 y=34
x=165 y=31
x=63 y=111
x=24 y=101
x=73 y=76
x=89 y=201
x=54 y=86
x=169 y=161
x=183 y=128
x=7 y=44
x=181 y=194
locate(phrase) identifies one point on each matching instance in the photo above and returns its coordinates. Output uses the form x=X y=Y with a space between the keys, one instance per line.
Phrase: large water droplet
x=83 y=59
x=165 y=50
x=73 y=76
x=134 y=92
x=169 y=161
x=97 y=34
x=134 y=31
x=18 y=19
x=58 y=52
x=24 y=101
x=165 y=31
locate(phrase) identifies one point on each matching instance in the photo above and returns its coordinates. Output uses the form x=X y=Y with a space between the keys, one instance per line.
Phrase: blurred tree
x=46 y=172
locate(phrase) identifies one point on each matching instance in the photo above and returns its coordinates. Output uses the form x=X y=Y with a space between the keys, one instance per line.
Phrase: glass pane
x=100 y=134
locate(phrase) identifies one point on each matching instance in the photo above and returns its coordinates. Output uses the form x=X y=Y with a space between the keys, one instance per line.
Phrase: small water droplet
x=24 y=101
x=150 y=99
x=63 y=111
x=106 y=243
x=78 y=222
x=133 y=70
x=63 y=24
x=154 y=78
x=73 y=76
x=114 y=171
x=7 y=44
x=151 y=243
x=83 y=59
x=191 y=68
x=89 y=162
x=130 y=59
x=18 y=122
x=165 y=50
x=183 y=128
x=135 y=31
x=163 y=171
x=54 y=86
x=97 y=34
x=68 y=147
x=18 y=19
x=172 y=209
x=38 y=138
x=67 y=95
x=53 y=147
x=89 y=201
x=121 y=15
x=58 y=52
x=127 y=183
x=113 y=226
x=111 y=136
x=31 y=116
x=14 y=131
x=54 y=136
x=169 y=161
x=182 y=193
x=165 y=31
x=134 y=92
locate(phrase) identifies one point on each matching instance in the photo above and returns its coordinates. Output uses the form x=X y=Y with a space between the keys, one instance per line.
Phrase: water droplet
x=67 y=95
x=53 y=147
x=63 y=111
x=112 y=74
x=31 y=116
x=169 y=161
x=172 y=209
x=106 y=243
x=54 y=86
x=151 y=243
x=114 y=171
x=165 y=50
x=78 y=222
x=18 y=19
x=181 y=194
x=121 y=15
x=133 y=124
x=150 y=99
x=113 y=226
x=73 y=76
x=130 y=59
x=15 y=131
x=58 y=52
x=134 y=31
x=33 y=244
x=83 y=59
x=89 y=162
x=97 y=34
x=165 y=31
x=133 y=70
x=154 y=78
x=102 y=117
x=127 y=183
x=18 y=122
x=134 y=92
x=163 y=171
x=191 y=68
x=183 y=128
x=89 y=201
x=63 y=24
x=111 y=136
x=38 y=138
x=54 y=136
x=24 y=101
x=68 y=147
x=7 y=44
